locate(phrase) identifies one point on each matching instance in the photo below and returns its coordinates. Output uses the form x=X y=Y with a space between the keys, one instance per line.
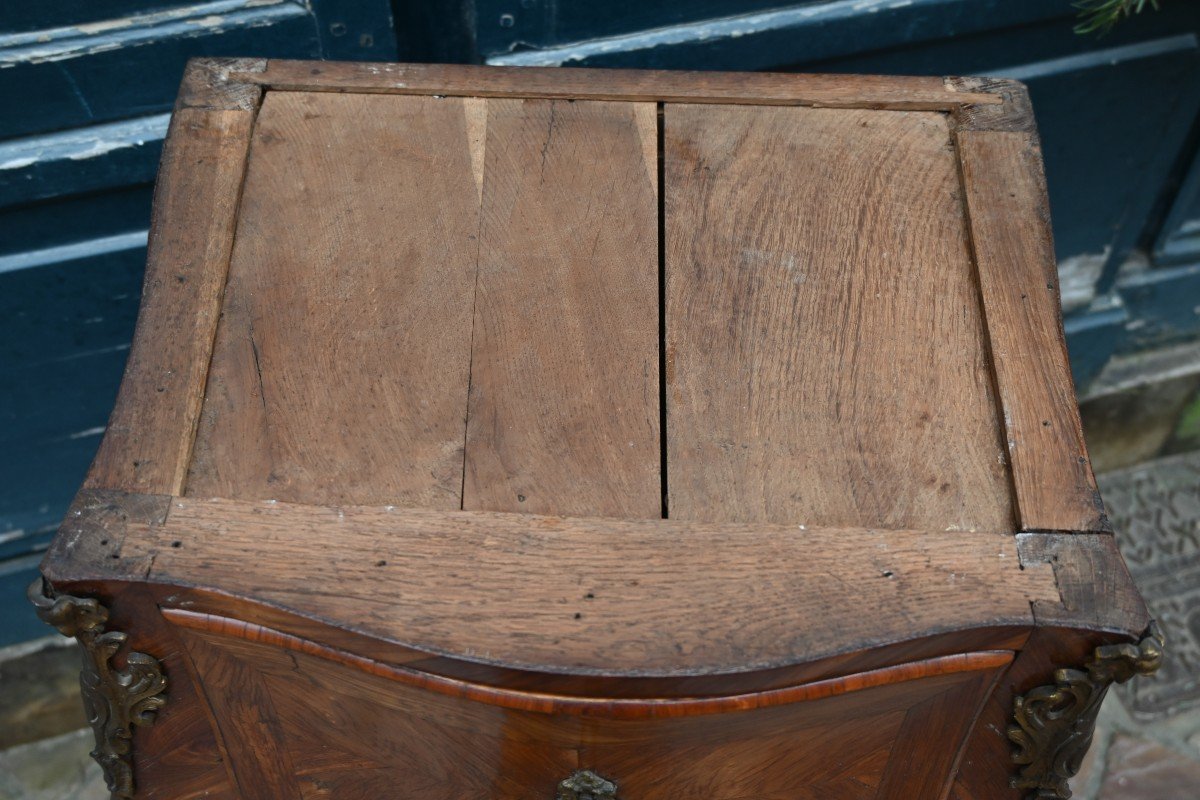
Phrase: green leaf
x=1100 y=16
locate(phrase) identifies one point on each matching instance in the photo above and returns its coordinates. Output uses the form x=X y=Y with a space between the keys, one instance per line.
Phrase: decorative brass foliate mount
x=586 y=785
x=115 y=699
x=1054 y=723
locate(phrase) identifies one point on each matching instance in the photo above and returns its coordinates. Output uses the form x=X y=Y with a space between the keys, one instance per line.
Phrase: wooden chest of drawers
x=536 y=434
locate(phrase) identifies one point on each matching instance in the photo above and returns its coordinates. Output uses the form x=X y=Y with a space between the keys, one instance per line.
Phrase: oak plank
x=757 y=88
x=147 y=444
x=826 y=361
x=1010 y=233
x=553 y=594
x=340 y=367
x=563 y=415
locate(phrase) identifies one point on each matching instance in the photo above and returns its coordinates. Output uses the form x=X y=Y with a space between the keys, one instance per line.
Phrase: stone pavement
x=1147 y=743
x=52 y=769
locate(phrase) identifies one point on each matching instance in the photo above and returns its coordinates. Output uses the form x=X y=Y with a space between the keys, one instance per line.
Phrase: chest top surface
x=816 y=300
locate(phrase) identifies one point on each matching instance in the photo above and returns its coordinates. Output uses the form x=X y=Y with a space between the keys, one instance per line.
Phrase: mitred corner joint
x=208 y=83
x=1015 y=114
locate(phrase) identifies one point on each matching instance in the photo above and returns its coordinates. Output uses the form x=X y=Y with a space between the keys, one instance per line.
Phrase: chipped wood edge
x=1098 y=593
x=220 y=84
x=1010 y=110
x=91 y=542
x=907 y=93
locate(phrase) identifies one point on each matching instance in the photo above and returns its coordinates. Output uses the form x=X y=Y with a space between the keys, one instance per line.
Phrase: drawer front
x=301 y=720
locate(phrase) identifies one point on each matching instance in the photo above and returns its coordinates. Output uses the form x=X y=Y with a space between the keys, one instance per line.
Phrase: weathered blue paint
x=767 y=39
x=1179 y=239
x=1093 y=337
x=19 y=624
x=98 y=157
x=1164 y=306
x=88 y=88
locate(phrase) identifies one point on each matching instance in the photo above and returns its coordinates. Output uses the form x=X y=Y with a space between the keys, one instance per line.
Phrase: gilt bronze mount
x=1054 y=723
x=115 y=698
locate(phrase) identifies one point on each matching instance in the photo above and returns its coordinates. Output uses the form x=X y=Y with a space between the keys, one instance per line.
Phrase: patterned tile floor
x=1147 y=745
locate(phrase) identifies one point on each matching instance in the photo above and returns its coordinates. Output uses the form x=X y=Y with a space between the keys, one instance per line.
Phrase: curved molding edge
x=1054 y=724
x=648 y=707
x=115 y=699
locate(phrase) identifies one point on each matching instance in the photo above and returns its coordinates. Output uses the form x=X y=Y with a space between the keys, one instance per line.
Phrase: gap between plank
x=988 y=349
x=462 y=487
x=185 y=467
x=662 y=313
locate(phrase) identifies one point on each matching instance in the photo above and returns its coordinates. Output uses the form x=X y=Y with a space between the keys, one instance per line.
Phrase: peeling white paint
x=18 y=163
x=1077 y=276
x=83 y=143
x=201 y=19
x=73 y=251
x=89 y=432
x=722 y=28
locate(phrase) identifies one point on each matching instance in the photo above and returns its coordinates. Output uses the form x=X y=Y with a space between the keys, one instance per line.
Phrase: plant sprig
x=1100 y=16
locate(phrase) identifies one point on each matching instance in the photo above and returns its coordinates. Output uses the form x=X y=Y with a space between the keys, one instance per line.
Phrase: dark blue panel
x=46 y=225
x=1180 y=237
x=80 y=77
x=1108 y=163
x=1164 y=306
x=18 y=622
x=355 y=29
x=439 y=31
x=128 y=68
x=65 y=341
x=512 y=25
x=28 y=15
x=1092 y=338
x=61 y=311
x=793 y=35
x=106 y=156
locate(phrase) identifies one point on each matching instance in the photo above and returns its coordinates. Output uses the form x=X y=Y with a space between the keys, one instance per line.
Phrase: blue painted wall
x=87 y=86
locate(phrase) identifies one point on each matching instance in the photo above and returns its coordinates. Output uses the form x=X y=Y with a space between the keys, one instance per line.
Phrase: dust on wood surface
x=826 y=361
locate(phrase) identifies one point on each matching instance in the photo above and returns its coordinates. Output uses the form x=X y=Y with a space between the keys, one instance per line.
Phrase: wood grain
x=340 y=368
x=207 y=84
x=348 y=728
x=554 y=595
x=148 y=442
x=914 y=768
x=755 y=88
x=563 y=415
x=937 y=645
x=1010 y=233
x=826 y=361
x=547 y=702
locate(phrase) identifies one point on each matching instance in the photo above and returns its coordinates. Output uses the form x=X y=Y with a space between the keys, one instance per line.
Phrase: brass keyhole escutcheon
x=586 y=785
